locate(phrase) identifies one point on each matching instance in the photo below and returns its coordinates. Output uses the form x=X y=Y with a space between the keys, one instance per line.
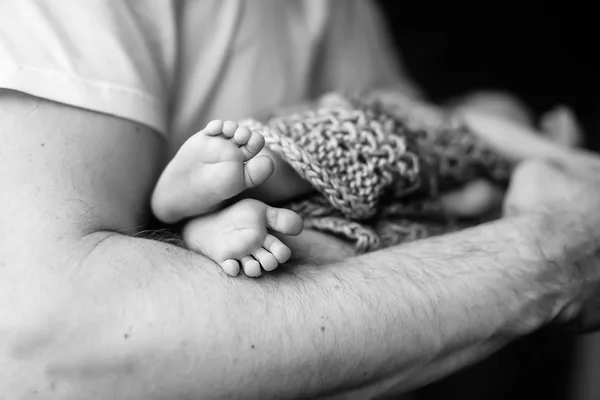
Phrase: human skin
x=91 y=310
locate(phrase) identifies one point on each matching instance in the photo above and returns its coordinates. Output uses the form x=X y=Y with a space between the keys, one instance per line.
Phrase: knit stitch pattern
x=378 y=162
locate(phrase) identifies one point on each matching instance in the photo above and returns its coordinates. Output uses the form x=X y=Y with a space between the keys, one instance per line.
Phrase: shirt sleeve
x=113 y=57
x=356 y=52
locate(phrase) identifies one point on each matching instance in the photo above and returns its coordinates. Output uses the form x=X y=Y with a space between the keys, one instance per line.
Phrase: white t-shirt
x=176 y=64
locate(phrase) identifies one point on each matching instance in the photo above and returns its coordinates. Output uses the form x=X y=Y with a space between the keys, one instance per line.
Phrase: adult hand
x=563 y=185
x=567 y=192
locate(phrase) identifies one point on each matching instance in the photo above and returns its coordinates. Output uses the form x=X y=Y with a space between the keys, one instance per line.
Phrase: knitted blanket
x=378 y=162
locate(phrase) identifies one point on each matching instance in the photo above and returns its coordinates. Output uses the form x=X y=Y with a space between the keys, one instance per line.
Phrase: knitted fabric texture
x=379 y=163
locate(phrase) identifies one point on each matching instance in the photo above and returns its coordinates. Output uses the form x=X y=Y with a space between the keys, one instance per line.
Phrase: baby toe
x=242 y=135
x=284 y=221
x=214 y=127
x=231 y=267
x=266 y=259
x=280 y=251
x=251 y=267
x=229 y=128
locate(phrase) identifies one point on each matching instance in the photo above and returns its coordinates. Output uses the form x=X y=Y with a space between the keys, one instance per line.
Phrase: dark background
x=544 y=53
x=546 y=56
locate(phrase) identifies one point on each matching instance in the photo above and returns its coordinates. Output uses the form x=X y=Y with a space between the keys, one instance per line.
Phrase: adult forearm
x=155 y=321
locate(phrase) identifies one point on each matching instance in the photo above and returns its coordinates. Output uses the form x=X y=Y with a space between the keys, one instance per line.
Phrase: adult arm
x=90 y=310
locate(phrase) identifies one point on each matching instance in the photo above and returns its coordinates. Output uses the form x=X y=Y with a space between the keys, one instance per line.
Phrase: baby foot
x=239 y=234
x=214 y=165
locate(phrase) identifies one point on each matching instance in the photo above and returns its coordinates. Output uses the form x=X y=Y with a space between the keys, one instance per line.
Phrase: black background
x=546 y=54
